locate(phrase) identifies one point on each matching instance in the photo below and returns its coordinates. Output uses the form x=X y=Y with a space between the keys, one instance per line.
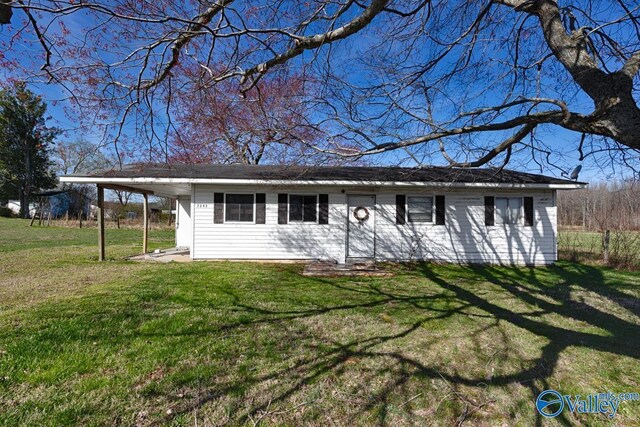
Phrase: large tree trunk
x=616 y=113
x=24 y=203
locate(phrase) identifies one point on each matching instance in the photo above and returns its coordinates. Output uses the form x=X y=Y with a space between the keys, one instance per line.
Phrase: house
x=14 y=207
x=353 y=213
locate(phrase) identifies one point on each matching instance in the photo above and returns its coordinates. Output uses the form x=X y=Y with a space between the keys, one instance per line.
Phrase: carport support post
x=145 y=216
x=100 y=213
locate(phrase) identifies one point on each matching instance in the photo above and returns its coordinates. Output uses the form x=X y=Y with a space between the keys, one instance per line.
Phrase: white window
x=303 y=208
x=420 y=209
x=238 y=208
x=508 y=210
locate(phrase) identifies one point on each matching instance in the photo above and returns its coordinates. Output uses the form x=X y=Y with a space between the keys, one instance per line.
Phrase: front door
x=361 y=238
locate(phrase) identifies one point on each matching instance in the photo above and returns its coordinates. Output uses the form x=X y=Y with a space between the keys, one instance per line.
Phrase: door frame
x=346 y=249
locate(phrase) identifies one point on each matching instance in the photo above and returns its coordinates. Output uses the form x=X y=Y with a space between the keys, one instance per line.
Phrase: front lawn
x=209 y=343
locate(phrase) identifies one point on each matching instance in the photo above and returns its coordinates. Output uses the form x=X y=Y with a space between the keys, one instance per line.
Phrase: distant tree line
x=602 y=206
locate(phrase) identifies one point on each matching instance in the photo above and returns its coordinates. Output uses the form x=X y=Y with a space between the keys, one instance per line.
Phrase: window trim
x=433 y=209
x=224 y=214
x=520 y=222
x=317 y=196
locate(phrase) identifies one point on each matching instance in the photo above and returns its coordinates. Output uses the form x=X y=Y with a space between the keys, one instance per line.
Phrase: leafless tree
x=602 y=206
x=475 y=81
x=266 y=125
x=78 y=156
x=610 y=209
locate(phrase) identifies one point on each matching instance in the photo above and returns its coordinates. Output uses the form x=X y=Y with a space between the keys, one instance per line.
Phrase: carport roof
x=150 y=175
x=326 y=173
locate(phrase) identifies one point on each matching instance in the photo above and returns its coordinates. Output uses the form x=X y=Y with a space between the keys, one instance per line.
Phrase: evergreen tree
x=25 y=139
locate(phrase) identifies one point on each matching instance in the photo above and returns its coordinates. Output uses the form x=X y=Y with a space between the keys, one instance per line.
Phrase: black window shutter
x=439 y=210
x=282 y=208
x=260 y=208
x=323 y=211
x=489 y=210
x=218 y=208
x=401 y=209
x=528 y=211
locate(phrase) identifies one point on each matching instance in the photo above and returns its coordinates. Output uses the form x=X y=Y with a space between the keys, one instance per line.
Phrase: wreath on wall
x=361 y=213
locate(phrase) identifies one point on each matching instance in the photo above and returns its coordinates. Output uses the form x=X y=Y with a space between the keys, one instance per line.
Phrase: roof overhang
x=172 y=187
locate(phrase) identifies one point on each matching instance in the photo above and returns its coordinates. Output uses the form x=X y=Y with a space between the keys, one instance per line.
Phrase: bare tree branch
x=317 y=40
x=385 y=75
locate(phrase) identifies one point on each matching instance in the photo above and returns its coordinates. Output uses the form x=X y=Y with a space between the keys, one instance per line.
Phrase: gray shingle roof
x=328 y=173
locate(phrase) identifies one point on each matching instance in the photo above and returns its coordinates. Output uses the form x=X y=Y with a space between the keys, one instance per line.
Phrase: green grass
x=123 y=343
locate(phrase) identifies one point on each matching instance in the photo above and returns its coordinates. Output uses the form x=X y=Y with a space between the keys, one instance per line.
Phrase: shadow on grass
x=524 y=285
x=521 y=283
x=545 y=309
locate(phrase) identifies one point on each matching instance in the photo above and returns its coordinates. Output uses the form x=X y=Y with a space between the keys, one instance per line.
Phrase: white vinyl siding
x=184 y=231
x=464 y=237
x=295 y=241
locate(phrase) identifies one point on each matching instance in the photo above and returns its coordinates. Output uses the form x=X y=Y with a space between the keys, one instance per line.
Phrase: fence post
x=100 y=214
x=145 y=220
x=605 y=246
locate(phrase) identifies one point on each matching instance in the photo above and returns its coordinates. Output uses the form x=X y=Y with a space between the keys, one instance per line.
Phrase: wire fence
x=616 y=248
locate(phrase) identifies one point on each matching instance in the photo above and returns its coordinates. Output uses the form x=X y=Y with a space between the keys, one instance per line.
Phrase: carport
x=132 y=182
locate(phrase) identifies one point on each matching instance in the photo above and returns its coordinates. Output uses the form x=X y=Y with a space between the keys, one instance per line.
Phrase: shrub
x=6 y=212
